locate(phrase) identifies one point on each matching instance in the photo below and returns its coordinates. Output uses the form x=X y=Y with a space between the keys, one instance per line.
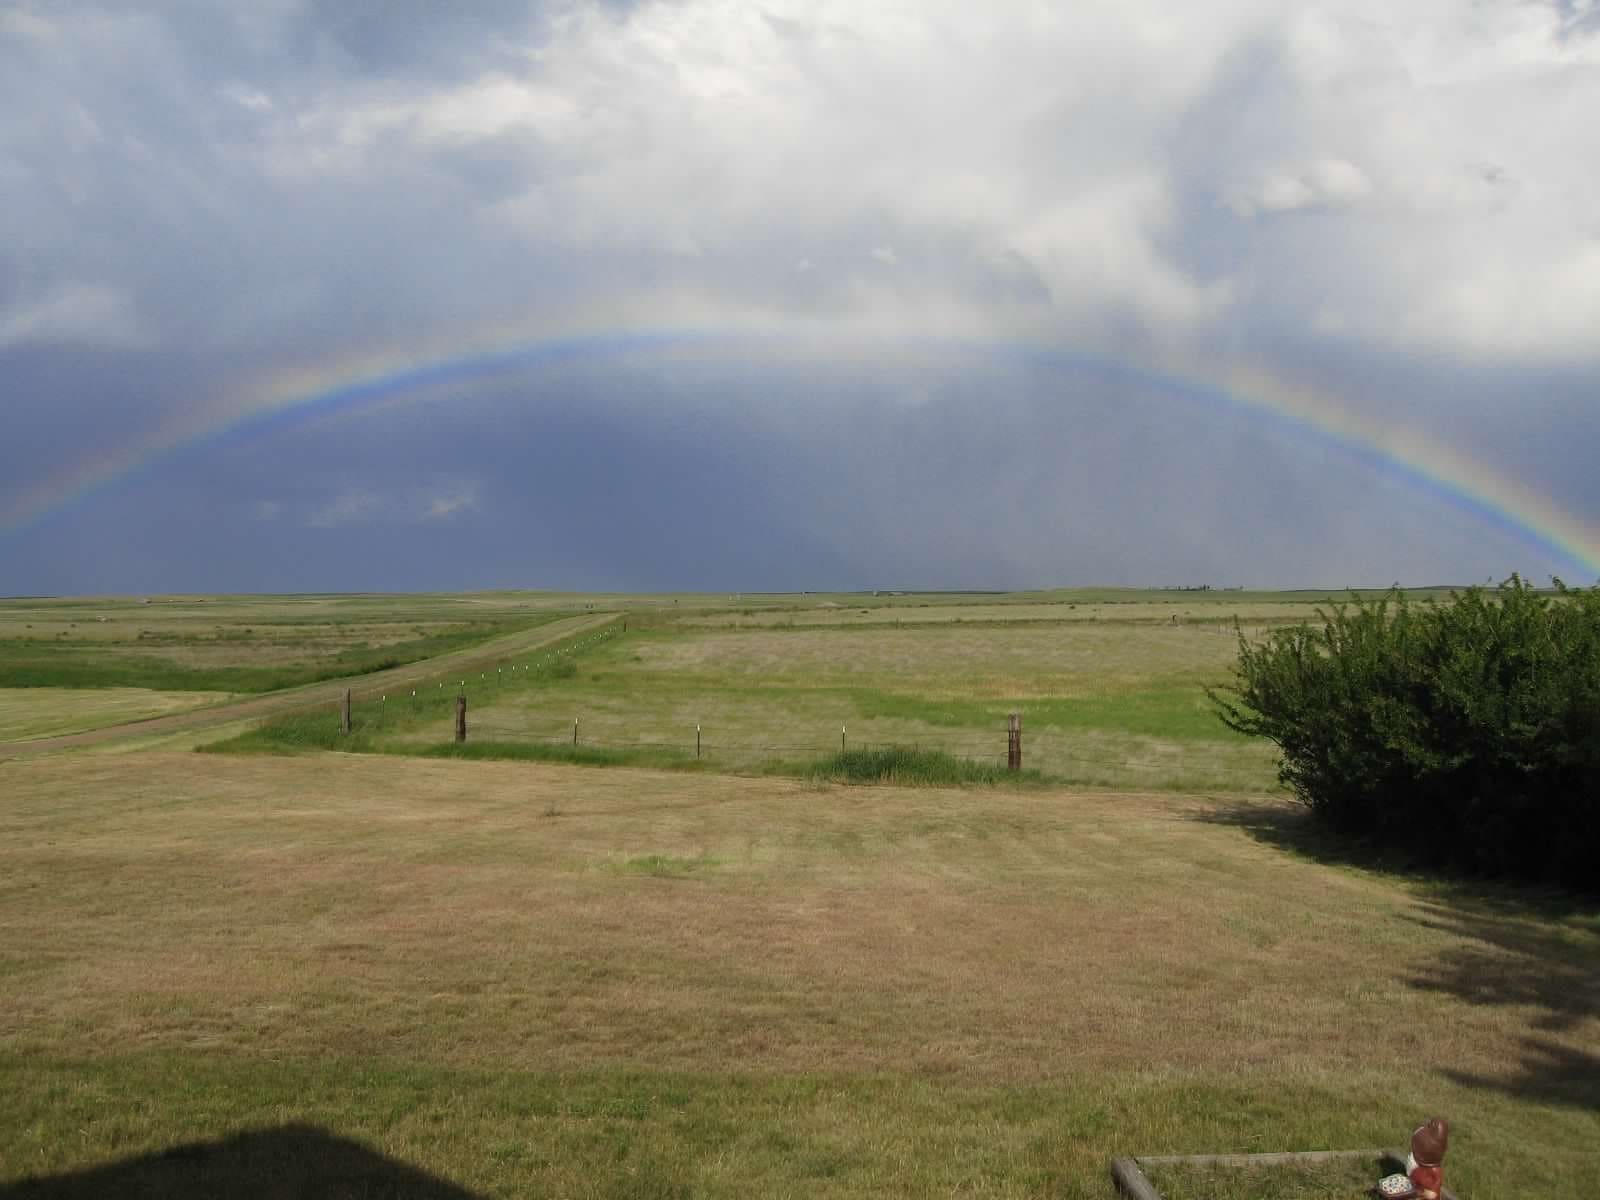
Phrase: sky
x=330 y=295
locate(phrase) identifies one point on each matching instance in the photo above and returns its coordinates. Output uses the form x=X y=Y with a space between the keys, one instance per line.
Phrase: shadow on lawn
x=1509 y=947
x=1290 y=827
x=298 y=1161
x=1510 y=955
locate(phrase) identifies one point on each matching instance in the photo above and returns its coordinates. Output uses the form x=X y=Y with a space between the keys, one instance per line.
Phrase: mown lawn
x=504 y=979
x=1338 y=1180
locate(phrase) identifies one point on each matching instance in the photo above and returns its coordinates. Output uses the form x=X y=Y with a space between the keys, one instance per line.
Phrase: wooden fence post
x=344 y=713
x=461 y=717
x=1131 y=1181
x=697 y=741
x=1014 y=742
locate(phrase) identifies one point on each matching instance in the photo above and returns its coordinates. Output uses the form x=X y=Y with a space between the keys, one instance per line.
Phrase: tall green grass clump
x=559 y=752
x=914 y=768
x=292 y=732
x=1467 y=732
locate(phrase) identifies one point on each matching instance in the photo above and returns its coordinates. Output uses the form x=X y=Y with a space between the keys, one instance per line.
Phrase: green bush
x=1466 y=732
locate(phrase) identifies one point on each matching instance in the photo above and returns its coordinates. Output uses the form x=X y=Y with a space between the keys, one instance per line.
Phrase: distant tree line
x=1467 y=732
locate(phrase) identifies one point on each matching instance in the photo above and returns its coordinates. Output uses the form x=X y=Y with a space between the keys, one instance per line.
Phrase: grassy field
x=1327 y=1181
x=1118 y=704
x=42 y=712
x=238 y=643
x=308 y=705
x=503 y=979
x=413 y=973
x=843 y=614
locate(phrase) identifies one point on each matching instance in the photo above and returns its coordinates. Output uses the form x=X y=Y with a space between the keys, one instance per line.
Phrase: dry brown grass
x=535 y=917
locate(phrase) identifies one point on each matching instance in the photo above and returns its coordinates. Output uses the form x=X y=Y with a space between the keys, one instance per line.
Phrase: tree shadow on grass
x=1549 y=1072
x=1504 y=958
x=1523 y=948
x=298 y=1161
x=1292 y=828
x=1508 y=955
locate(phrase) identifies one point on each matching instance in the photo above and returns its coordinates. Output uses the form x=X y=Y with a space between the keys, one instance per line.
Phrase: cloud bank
x=1395 y=206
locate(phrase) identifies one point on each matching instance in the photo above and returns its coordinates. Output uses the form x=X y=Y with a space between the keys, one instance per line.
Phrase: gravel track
x=326 y=691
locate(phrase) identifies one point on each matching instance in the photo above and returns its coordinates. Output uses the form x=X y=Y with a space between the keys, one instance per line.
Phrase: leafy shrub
x=1466 y=732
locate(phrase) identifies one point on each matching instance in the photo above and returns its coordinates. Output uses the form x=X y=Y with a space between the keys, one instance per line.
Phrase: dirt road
x=327 y=691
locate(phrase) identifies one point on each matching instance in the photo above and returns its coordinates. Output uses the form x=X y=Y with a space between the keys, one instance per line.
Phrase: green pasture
x=238 y=644
x=899 y=611
x=44 y=712
x=1103 y=703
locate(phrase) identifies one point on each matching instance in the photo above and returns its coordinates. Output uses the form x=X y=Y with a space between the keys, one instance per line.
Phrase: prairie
x=1103 y=704
x=543 y=980
x=300 y=702
x=236 y=643
x=395 y=973
x=43 y=712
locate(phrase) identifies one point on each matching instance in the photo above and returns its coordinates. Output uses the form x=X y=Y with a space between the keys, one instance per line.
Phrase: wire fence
x=411 y=713
x=1056 y=751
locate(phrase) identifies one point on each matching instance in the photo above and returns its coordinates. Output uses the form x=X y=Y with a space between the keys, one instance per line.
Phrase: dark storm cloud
x=1382 y=205
x=665 y=474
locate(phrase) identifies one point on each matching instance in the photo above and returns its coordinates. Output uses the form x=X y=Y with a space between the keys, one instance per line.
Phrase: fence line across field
x=607 y=737
x=698 y=742
x=451 y=697
x=494 y=729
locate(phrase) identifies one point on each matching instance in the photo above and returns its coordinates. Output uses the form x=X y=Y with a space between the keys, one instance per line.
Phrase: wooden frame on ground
x=1131 y=1181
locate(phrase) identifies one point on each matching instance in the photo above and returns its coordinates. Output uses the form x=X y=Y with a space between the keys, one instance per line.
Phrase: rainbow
x=423 y=369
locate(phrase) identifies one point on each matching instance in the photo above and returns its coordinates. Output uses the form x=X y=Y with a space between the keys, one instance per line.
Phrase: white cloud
x=418 y=504
x=356 y=506
x=246 y=97
x=1327 y=183
x=23 y=20
x=1400 y=176
x=711 y=133
x=73 y=314
x=450 y=502
x=1469 y=229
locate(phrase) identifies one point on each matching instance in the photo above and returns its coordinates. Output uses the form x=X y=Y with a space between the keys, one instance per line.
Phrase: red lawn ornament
x=1424 y=1177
